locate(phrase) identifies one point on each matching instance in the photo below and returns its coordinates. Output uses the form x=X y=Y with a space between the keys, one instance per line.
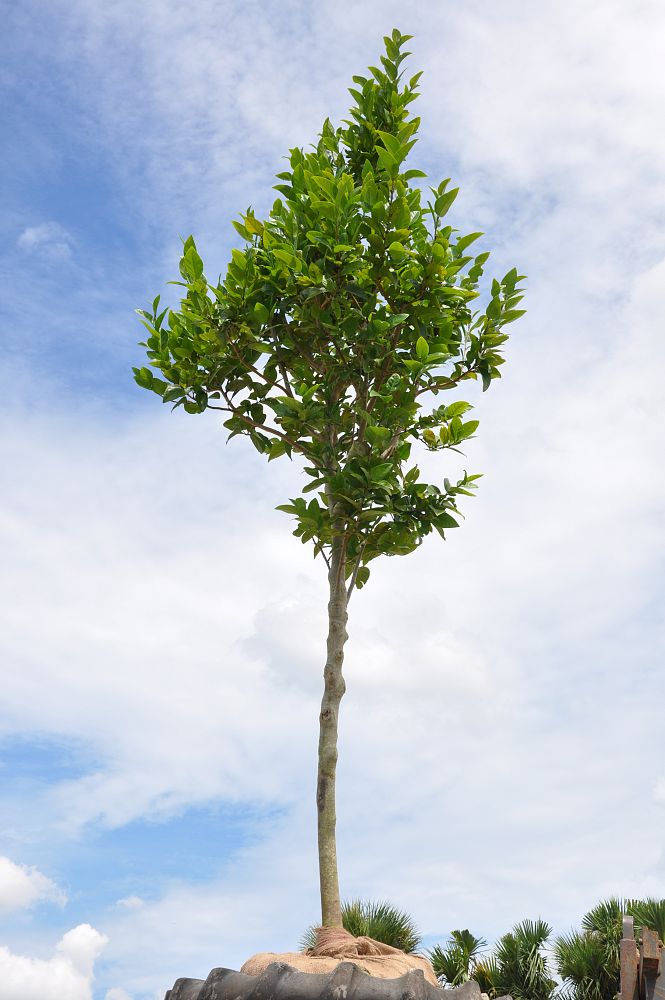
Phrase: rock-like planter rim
x=346 y=981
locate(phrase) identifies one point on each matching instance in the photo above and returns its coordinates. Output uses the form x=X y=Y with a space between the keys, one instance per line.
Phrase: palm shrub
x=588 y=960
x=581 y=960
x=456 y=963
x=518 y=965
x=379 y=920
x=649 y=913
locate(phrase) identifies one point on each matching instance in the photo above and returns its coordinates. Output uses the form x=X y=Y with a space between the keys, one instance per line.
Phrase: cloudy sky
x=162 y=633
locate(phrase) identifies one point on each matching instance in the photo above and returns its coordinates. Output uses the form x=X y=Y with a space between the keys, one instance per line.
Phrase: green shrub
x=456 y=963
x=588 y=960
x=518 y=966
x=381 y=921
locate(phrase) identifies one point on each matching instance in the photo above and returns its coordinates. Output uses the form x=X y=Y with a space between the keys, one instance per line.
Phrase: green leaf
x=457 y=409
x=143 y=377
x=397 y=250
x=314 y=485
x=254 y=225
x=379 y=471
x=397 y=318
x=277 y=448
x=193 y=263
x=288 y=508
x=378 y=435
x=284 y=255
x=444 y=201
x=422 y=349
x=239 y=228
x=171 y=395
x=511 y=315
x=464 y=241
x=261 y=312
x=391 y=143
x=386 y=160
x=469 y=428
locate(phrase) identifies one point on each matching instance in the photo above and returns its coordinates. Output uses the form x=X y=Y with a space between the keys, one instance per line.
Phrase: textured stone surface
x=346 y=982
x=185 y=989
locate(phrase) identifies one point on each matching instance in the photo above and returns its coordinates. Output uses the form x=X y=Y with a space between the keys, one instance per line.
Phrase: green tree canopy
x=339 y=323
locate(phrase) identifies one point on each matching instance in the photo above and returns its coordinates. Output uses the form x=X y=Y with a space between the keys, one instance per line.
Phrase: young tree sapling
x=339 y=324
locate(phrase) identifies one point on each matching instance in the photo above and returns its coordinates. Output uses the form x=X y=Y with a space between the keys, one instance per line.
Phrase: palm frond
x=649 y=913
x=521 y=967
x=468 y=942
x=605 y=917
x=486 y=974
x=580 y=960
x=456 y=962
x=450 y=965
x=379 y=920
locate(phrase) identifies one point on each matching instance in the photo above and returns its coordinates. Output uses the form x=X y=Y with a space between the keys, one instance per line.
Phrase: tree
x=344 y=315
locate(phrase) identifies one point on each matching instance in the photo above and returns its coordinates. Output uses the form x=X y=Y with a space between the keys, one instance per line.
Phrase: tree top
x=343 y=317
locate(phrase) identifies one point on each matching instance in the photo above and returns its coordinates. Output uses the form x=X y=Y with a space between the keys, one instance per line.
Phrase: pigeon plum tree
x=340 y=331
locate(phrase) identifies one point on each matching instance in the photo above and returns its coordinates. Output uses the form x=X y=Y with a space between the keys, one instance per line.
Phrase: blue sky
x=161 y=632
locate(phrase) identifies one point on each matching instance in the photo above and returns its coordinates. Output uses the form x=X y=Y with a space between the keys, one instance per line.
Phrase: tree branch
x=286 y=389
x=269 y=430
x=354 y=574
x=451 y=383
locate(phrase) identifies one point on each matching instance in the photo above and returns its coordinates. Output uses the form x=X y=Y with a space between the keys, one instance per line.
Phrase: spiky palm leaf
x=649 y=913
x=589 y=961
x=581 y=961
x=604 y=920
x=456 y=963
x=486 y=974
x=520 y=966
x=605 y=917
x=381 y=921
x=449 y=964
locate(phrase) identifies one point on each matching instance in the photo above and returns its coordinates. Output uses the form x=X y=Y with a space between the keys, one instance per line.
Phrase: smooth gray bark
x=334 y=688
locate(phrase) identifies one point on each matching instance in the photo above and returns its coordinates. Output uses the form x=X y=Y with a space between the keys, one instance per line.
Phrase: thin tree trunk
x=334 y=687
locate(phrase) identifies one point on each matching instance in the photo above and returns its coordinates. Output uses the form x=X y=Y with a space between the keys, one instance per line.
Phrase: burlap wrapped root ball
x=334 y=946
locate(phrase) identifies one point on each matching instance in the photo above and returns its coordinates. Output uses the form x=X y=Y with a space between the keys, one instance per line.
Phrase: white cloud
x=117 y=994
x=22 y=886
x=66 y=976
x=136 y=595
x=131 y=903
x=49 y=240
x=498 y=685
